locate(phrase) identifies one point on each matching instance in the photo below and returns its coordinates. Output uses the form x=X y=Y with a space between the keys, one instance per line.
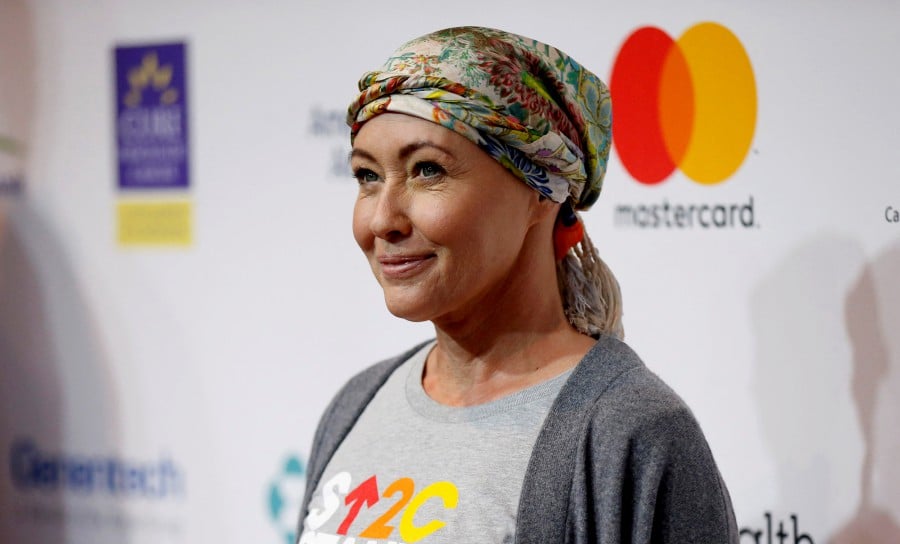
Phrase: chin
x=406 y=310
x=411 y=305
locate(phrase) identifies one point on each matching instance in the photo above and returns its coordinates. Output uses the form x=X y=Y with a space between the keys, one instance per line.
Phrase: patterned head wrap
x=528 y=105
x=533 y=109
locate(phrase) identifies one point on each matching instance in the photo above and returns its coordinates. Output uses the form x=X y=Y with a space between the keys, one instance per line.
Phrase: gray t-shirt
x=412 y=470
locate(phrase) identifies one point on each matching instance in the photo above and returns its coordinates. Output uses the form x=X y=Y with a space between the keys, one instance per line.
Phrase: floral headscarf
x=527 y=104
x=534 y=110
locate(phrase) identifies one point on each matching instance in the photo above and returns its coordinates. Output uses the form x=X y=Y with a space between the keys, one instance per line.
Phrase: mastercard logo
x=688 y=103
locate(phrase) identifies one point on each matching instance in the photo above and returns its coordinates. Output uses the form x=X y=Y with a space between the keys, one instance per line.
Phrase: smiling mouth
x=403 y=266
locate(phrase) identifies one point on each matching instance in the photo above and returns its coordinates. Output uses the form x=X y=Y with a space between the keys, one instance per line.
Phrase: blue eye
x=429 y=170
x=364 y=175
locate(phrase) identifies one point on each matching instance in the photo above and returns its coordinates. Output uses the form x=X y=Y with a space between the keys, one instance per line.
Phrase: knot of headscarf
x=528 y=105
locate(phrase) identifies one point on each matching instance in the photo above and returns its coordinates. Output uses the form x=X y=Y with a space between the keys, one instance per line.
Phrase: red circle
x=635 y=85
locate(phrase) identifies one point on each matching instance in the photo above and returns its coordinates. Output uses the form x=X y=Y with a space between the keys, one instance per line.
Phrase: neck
x=515 y=339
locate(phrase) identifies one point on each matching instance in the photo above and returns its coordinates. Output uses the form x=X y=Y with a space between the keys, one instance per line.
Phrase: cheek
x=448 y=220
x=361 y=232
x=436 y=226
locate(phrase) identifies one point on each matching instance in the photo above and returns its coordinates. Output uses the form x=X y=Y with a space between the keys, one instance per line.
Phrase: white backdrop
x=196 y=375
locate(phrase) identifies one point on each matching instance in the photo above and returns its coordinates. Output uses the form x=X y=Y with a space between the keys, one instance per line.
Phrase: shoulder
x=614 y=407
x=342 y=412
x=613 y=386
x=640 y=441
x=353 y=397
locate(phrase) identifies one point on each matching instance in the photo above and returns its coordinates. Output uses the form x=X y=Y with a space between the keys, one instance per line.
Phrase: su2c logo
x=688 y=103
x=367 y=494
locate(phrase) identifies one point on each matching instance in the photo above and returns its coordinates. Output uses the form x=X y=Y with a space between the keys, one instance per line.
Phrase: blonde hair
x=592 y=300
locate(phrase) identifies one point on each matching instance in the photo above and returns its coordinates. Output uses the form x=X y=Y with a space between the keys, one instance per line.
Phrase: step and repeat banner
x=180 y=294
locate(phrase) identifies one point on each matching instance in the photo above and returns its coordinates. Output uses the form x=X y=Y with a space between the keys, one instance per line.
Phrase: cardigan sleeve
x=646 y=472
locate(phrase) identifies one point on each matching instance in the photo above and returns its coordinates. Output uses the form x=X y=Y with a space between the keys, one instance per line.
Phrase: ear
x=543 y=209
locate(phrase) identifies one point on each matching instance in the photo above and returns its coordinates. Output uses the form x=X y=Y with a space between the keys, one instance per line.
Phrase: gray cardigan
x=620 y=458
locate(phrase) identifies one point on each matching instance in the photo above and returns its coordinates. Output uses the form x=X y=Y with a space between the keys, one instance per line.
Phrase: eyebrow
x=404 y=152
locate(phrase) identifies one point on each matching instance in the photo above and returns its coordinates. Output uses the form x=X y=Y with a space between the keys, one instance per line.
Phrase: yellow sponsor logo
x=154 y=223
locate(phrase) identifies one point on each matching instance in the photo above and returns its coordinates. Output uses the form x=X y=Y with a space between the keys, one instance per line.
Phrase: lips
x=404 y=266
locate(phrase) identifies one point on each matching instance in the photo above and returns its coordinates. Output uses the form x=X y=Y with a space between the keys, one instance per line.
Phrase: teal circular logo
x=285 y=495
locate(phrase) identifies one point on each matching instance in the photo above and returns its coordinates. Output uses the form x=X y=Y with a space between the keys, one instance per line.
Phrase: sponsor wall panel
x=195 y=375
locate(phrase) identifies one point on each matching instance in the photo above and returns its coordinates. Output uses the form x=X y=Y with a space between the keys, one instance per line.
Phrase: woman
x=527 y=420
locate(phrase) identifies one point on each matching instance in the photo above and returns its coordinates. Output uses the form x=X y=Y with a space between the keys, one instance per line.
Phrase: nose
x=389 y=220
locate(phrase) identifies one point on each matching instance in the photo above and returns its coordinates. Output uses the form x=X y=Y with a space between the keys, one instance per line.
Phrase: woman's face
x=442 y=224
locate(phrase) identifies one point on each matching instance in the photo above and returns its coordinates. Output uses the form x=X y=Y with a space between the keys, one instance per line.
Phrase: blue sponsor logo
x=32 y=469
x=11 y=184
